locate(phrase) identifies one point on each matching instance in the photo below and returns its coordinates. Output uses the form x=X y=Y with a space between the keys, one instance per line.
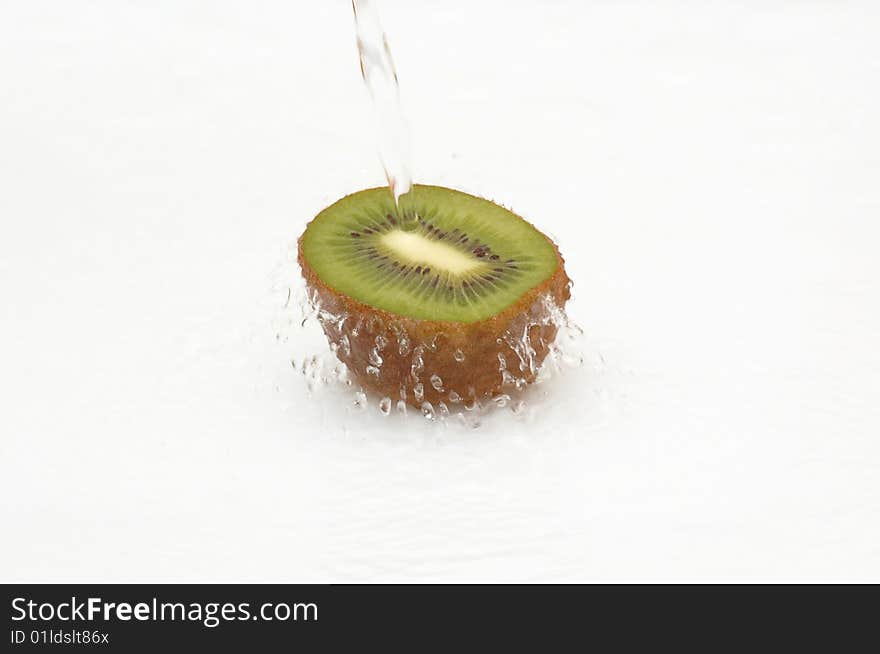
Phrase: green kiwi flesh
x=443 y=255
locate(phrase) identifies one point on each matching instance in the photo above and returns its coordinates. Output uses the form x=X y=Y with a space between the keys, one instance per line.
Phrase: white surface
x=710 y=169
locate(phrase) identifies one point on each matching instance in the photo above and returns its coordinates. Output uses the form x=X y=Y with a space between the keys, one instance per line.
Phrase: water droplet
x=385 y=406
x=418 y=364
x=373 y=370
x=401 y=407
x=472 y=405
x=419 y=392
x=428 y=411
x=501 y=400
x=437 y=383
x=454 y=397
x=360 y=400
x=375 y=359
x=458 y=355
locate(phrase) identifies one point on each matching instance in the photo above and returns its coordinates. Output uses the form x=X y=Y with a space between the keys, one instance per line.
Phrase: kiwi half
x=444 y=299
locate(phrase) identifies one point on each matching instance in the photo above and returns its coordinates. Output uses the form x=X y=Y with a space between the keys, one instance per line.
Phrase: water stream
x=380 y=77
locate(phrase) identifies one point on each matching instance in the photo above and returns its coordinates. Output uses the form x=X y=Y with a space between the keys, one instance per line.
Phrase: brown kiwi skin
x=477 y=376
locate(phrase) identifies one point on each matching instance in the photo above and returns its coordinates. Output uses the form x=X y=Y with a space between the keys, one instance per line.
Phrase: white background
x=711 y=171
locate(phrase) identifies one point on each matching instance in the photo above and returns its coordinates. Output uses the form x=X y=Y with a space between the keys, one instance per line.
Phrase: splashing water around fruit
x=430 y=298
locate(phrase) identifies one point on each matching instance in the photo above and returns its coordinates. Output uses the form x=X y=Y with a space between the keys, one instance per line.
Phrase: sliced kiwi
x=445 y=266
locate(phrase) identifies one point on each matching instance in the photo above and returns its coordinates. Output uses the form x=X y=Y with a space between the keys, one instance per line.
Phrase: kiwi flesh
x=422 y=301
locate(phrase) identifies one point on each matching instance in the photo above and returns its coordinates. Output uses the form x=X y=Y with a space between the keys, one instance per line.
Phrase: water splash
x=300 y=326
x=380 y=77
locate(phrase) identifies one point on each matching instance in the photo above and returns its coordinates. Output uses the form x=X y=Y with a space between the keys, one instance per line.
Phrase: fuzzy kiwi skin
x=476 y=376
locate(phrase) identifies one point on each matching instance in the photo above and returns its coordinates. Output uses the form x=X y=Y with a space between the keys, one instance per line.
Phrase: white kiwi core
x=416 y=249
